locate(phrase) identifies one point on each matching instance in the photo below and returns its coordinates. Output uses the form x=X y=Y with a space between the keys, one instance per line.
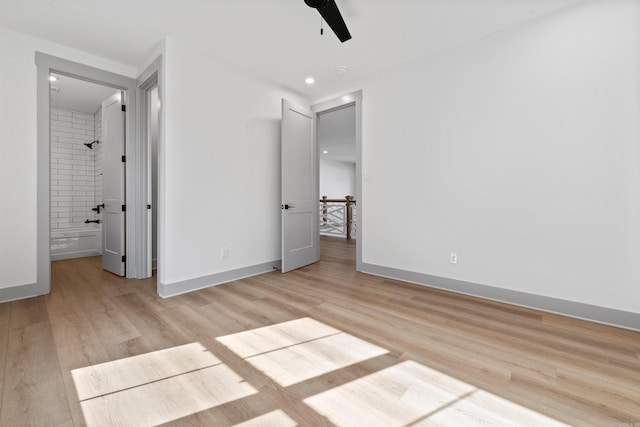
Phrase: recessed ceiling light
x=309 y=80
x=325 y=152
x=342 y=69
x=52 y=78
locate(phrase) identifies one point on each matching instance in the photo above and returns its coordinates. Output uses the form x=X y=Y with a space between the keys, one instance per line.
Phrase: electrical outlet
x=453 y=258
x=224 y=253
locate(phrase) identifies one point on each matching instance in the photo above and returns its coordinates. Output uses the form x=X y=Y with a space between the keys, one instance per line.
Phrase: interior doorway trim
x=151 y=78
x=354 y=98
x=47 y=64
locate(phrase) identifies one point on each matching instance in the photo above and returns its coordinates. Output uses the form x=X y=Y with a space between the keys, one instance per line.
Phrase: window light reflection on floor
x=405 y=394
x=274 y=418
x=166 y=385
x=157 y=387
x=299 y=350
x=411 y=394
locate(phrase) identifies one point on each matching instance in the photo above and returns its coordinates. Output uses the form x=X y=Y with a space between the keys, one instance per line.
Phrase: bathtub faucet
x=97 y=221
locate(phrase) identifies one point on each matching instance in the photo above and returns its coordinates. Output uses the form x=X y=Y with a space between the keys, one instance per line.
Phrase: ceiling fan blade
x=332 y=16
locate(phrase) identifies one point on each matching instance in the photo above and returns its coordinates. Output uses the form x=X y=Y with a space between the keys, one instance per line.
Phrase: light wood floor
x=318 y=346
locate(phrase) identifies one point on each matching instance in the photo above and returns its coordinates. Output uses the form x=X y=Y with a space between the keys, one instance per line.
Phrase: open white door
x=113 y=180
x=300 y=238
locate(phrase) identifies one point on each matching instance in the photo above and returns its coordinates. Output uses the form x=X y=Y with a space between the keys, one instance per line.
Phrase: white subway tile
x=86 y=189
x=63 y=166
x=80 y=114
x=59 y=134
x=67 y=129
x=62 y=209
x=62 y=112
x=83 y=126
x=64 y=199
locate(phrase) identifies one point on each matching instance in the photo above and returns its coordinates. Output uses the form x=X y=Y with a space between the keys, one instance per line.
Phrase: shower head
x=90 y=144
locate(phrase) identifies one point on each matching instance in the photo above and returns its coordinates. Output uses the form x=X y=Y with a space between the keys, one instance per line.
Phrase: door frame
x=336 y=103
x=47 y=64
x=151 y=77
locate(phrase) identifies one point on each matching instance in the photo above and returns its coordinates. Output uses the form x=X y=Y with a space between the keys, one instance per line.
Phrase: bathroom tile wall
x=72 y=169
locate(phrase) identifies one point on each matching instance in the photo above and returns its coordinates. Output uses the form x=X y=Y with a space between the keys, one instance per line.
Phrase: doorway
x=76 y=166
x=87 y=143
x=46 y=66
x=345 y=111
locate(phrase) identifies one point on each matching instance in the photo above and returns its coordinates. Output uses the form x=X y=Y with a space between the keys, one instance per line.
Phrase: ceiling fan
x=332 y=16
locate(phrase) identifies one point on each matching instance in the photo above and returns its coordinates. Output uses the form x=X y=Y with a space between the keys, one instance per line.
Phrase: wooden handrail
x=349 y=201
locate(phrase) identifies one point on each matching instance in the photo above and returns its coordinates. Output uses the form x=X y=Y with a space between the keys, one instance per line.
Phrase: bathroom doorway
x=76 y=166
x=47 y=65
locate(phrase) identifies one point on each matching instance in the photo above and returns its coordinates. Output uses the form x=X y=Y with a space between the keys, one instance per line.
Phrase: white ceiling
x=276 y=39
x=337 y=135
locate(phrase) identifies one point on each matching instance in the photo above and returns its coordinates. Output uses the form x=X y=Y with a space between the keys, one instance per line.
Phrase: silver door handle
x=287 y=207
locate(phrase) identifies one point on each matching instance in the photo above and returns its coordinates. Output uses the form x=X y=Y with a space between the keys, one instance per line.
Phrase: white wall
x=337 y=179
x=220 y=160
x=18 y=149
x=221 y=165
x=520 y=153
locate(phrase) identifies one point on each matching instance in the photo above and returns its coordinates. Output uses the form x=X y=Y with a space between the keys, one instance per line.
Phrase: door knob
x=287 y=207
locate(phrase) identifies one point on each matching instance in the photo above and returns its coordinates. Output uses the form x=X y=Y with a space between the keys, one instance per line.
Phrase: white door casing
x=300 y=237
x=113 y=184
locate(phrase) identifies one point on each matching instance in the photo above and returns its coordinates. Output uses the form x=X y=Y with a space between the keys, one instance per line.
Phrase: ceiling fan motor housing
x=316 y=4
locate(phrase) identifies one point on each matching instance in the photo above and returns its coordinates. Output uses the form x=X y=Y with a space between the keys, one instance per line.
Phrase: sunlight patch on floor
x=411 y=394
x=299 y=350
x=110 y=377
x=262 y=340
x=167 y=385
x=158 y=387
x=274 y=418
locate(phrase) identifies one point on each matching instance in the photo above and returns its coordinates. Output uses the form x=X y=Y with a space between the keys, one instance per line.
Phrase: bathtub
x=75 y=242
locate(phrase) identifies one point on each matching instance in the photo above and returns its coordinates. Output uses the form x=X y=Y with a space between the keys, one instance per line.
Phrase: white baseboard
x=177 y=288
x=608 y=316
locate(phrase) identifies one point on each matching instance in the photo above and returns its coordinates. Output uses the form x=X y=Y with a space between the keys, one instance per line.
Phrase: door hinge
x=124 y=258
x=124 y=159
x=124 y=107
x=124 y=208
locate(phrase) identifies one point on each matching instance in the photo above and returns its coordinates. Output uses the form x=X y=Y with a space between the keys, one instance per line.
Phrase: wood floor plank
x=34 y=393
x=149 y=321
x=28 y=312
x=76 y=342
x=5 y=328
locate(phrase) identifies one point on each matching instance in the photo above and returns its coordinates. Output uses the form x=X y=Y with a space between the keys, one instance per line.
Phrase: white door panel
x=300 y=243
x=113 y=180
